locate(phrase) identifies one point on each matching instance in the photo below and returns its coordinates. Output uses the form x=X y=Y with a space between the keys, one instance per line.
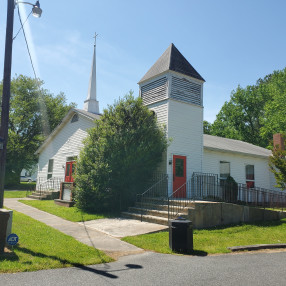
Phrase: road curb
x=257 y=247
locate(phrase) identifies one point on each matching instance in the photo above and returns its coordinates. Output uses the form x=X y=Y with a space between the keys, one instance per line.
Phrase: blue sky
x=228 y=43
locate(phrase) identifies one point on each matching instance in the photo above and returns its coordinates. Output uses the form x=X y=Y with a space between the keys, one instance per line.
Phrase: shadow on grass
x=192 y=253
x=9 y=256
x=92 y=269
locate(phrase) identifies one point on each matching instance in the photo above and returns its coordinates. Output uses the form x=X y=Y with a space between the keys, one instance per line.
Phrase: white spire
x=91 y=104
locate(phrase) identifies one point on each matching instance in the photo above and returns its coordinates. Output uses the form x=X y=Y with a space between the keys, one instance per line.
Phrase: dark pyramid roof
x=173 y=60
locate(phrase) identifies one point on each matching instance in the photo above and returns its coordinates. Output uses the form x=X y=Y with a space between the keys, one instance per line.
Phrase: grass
x=15 y=194
x=42 y=247
x=216 y=240
x=71 y=214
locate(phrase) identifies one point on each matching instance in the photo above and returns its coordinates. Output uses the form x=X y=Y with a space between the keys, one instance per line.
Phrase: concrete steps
x=38 y=196
x=156 y=210
x=148 y=218
x=44 y=196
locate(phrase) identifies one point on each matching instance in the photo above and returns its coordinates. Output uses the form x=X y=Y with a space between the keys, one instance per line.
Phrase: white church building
x=173 y=89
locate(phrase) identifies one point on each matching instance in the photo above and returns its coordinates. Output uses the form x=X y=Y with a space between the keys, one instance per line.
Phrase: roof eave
x=236 y=152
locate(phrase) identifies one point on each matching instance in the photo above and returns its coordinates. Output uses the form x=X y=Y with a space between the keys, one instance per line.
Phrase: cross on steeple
x=95 y=36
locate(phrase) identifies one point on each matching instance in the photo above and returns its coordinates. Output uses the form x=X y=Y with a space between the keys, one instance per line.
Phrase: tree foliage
x=207 y=127
x=119 y=155
x=34 y=111
x=253 y=114
x=277 y=163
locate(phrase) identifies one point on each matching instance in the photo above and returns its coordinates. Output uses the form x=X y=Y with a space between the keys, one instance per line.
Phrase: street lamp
x=37 y=11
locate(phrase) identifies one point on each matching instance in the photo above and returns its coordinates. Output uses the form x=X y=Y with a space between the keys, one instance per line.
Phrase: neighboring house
x=29 y=176
x=173 y=89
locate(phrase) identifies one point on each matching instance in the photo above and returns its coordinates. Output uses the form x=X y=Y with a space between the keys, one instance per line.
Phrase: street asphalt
x=162 y=269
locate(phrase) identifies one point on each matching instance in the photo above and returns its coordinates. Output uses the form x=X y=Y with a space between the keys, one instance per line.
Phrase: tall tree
x=275 y=109
x=34 y=111
x=120 y=154
x=253 y=114
x=278 y=167
x=207 y=127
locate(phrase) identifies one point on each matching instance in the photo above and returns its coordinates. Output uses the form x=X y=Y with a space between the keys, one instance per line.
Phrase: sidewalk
x=88 y=235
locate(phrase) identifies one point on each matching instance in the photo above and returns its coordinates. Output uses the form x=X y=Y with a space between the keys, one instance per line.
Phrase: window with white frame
x=50 y=168
x=224 y=169
x=249 y=176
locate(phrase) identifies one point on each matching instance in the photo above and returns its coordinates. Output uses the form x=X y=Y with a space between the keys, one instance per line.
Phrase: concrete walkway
x=87 y=232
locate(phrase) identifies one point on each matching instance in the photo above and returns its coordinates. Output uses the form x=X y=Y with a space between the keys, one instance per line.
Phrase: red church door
x=70 y=171
x=179 y=176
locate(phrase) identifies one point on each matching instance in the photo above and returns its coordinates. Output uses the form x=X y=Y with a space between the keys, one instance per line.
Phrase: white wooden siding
x=185 y=127
x=211 y=164
x=66 y=143
x=161 y=111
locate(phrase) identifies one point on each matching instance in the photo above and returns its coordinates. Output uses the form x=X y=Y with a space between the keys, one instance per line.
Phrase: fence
x=208 y=187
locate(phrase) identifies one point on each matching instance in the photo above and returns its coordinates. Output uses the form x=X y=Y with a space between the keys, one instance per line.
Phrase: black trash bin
x=181 y=235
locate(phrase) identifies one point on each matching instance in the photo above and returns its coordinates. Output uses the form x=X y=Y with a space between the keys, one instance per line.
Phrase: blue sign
x=12 y=239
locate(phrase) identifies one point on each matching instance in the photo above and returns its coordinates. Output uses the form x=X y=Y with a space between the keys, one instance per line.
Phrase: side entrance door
x=179 y=176
x=70 y=171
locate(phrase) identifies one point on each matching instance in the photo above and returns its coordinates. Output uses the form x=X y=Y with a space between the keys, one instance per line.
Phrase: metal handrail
x=199 y=187
x=159 y=191
x=50 y=184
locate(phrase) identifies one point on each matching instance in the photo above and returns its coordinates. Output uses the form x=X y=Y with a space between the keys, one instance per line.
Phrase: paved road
x=159 y=269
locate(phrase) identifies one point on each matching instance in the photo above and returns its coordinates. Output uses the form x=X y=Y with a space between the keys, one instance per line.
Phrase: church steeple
x=91 y=104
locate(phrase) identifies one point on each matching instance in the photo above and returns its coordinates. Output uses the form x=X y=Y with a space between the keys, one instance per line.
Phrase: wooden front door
x=179 y=176
x=70 y=171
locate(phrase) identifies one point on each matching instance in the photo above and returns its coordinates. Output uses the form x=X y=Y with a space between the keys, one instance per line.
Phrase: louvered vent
x=185 y=90
x=154 y=91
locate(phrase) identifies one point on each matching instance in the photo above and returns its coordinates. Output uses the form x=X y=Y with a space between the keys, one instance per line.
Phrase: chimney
x=278 y=141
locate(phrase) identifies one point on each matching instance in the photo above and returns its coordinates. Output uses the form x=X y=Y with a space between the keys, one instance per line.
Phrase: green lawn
x=15 y=194
x=218 y=239
x=42 y=247
x=71 y=214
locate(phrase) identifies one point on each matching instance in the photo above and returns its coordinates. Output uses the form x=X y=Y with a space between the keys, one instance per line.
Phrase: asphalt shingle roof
x=236 y=146
x=172 y=60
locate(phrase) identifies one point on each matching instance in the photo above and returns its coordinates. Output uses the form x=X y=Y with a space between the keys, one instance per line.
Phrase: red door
x=70 y=171
x=179 y=176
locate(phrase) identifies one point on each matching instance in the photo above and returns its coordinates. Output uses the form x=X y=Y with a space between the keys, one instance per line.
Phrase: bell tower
x=173 y=89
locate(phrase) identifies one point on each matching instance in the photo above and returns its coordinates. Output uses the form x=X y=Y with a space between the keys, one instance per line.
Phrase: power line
x=22 y=27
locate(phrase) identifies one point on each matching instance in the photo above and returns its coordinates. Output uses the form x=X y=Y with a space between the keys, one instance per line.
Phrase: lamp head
x=37 y=11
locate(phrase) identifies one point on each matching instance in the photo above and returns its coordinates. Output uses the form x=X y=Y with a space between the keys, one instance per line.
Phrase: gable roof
x=172 y=60
x=234 y=146
x=88 y=115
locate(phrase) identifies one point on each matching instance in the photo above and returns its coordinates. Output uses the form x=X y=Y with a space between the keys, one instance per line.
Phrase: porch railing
x=155 y=195
x=52 y=184
x=208 y=187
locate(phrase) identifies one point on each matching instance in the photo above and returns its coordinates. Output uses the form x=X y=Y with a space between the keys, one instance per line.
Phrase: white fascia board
x=235 y=152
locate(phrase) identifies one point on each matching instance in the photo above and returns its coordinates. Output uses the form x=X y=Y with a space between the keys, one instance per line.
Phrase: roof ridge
x=170 y=56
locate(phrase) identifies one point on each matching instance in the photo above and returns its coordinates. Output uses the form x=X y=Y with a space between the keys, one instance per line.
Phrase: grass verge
x=15 y=194
x=71 y=214
x=42 y=247
x=216 y=240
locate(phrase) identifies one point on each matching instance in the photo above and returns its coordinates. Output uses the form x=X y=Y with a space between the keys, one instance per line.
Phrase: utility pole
x=6 y=95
